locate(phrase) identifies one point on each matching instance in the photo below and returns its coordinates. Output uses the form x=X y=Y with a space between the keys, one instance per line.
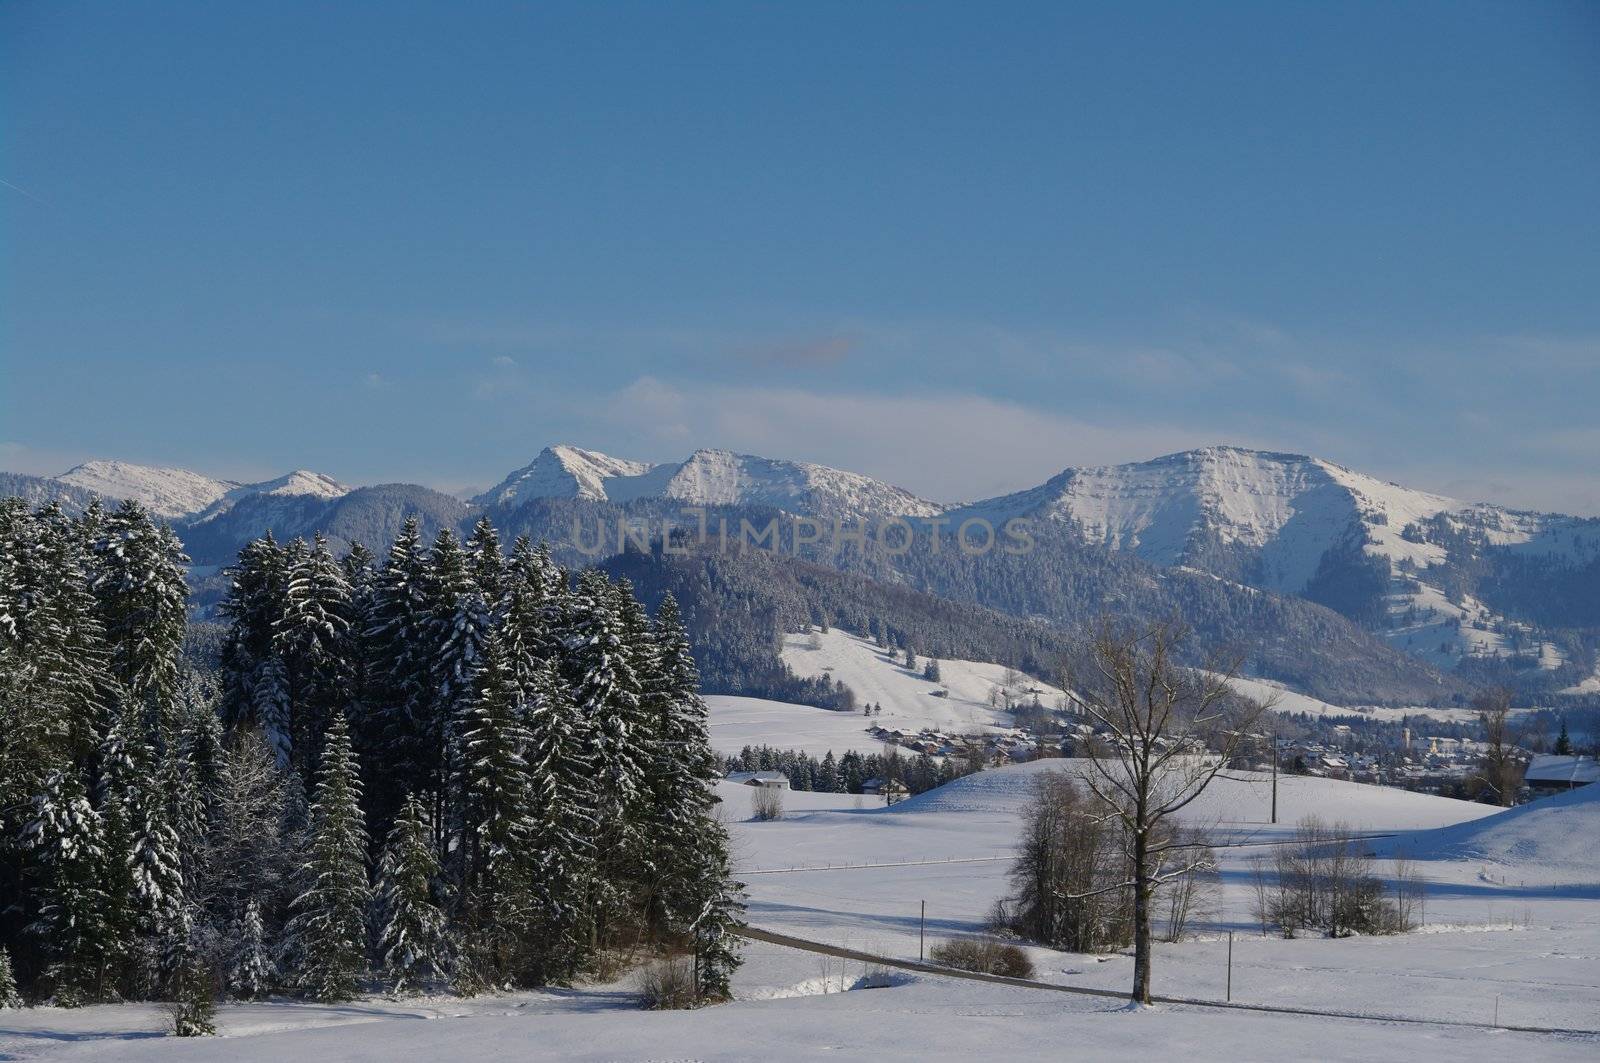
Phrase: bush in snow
x=668 y=984
x=983 y=956
x=766 y=803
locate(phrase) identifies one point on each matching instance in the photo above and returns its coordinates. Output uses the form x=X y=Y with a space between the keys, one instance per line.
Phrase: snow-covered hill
x=708 y=478
x=1549 y=841
x=166 y=492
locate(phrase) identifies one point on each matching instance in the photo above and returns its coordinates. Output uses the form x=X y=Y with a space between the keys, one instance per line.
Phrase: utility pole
x=1229 y=997
x=922 y=926
x=1274 y=768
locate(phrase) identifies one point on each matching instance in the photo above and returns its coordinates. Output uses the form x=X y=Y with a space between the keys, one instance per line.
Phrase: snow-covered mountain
x=708 y=477
x=1292 y=524
x=191 y=497
x=562 y=472
x=166 y=492
x=1281 y=513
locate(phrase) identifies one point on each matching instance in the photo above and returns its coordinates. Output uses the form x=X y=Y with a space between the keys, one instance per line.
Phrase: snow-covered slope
x=708 y=478
x=720 y=477
x=1285 y=510
x=166 y=492
x=970 y=696
x=180 y=494
x=737 y=722
x=562 y=472
x=300 y=485
x=1549 y=841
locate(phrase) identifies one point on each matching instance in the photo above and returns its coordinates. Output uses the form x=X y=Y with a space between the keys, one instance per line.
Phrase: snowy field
x=1512 y=921
x=738 y=722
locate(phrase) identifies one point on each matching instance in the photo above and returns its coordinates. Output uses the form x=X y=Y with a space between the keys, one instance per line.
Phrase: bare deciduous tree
x=1500 y=769
x=1167 y=732
x=766 y=803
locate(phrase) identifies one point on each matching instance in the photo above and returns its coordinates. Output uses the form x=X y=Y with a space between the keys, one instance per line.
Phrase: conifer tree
x=412 y=936
x=681 y=770
x=67 y=839
x=828 y=776
x=274 y=708
x=252 y=973
x=329 y=927
x=455 y=625
x=528 y=609
x=252 y=606
x=720 y=910
x=562 y=841
x=400 y=674
x=54 y=678
x=484 y=561
x=310 y=638
x=497 y=814
x=10 y=997
x=361 y=692
x=143 y=598
x=599 y=668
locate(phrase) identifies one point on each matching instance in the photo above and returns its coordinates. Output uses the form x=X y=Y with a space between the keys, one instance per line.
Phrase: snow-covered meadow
x=1512 y=922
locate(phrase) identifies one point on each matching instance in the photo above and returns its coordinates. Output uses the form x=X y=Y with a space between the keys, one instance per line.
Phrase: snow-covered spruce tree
x=485 y=563
x=598 y=666
x=679 y=772
x=458 y=622
x=143 y=599
x=252 y=973
x=310 y=638
x=252 y=606
x=274 y=708
x=360 y=570
x=530 y=589
x=828 y=775
x=721 y=909
x=143 y=875
x=496 y=893
x=412 y=932
x=66 y=837
x=329 y=924
x=10 y=996
x=361 y=694
x=392 y=738
x=562 y=842
x=694 y=894
x=53 y=660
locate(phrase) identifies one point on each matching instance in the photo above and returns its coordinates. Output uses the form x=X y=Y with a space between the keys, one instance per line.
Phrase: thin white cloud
x=947 y=447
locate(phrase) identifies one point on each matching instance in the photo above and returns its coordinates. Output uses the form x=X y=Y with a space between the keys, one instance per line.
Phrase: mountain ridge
x=1458 y=586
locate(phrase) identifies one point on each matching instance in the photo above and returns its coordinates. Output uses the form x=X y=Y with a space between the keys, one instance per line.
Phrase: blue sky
x=958 y=246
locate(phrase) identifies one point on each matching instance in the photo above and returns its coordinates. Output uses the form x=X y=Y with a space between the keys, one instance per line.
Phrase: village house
x=1549 y=773
x=772 y=780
